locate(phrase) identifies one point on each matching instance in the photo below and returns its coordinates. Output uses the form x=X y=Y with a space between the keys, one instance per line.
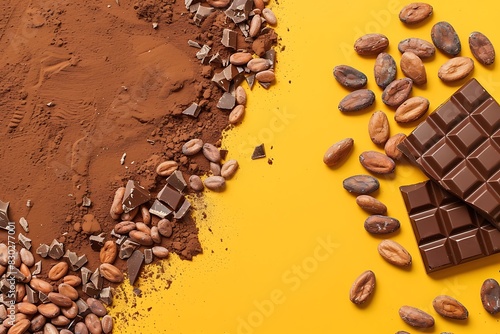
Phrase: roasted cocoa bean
x=269 y=16
x=49 y=310
x=384 y=70
x=68 y=291
x=240 y=95
x=215 y=183
x=97 y=307
x=380 y=224
x=237 y=114
x=59 y=299
x=255 y=25
x=160 y=252
x=349 y=77
x=357 y=100
x=258 y=64
x=377 y=162
x=111 y=273
x=338 y=152
x=229 y=168
x=166 y=168
x=125 y=227
x=411 y=109
x=196 y=183
x=446 y=39
x=361 y=184
x=449 y=307
x=117 y=207
x=93 y=323
x=58 y=271
x=371 y=44
x=394 y=253
x=418 y=46
x=27 y=257
x=413 y=67
x=266 y=76
x=240 y=58
x=362 y=288
x=456 y=69
x=192 y=147
x=141 y=238
x=107 y=324
x=482 y=48
x=211 y=152
x=416 y=317
x=415 y=12
x=397 y=92
x=391 y=146
x=165 y=227
x=378 y=128
x=40 y=285
x=371 y=204
x=490 y=296
x=72 y=280
x=108 y=252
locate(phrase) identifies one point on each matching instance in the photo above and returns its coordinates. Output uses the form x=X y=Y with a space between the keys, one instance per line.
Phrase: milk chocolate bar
x=458 y=146
x=448 y=231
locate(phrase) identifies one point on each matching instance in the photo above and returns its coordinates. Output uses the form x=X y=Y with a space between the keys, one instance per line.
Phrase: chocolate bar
x=448 y=231
x=458 y=147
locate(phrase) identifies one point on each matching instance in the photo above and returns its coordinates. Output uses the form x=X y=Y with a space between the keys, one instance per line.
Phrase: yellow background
x=283 y=244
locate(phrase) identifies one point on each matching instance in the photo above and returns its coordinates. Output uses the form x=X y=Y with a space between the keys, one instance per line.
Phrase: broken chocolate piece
x=127 y=248
x=215 y=60
x=86 y=273
x=148 y=255
x=231 y=72
x=221 y=81
x=43 y=250
x=56 y=250
x=121 y=240
x=177 y=181
x=106 y=296
x=43 y=297
x=24 y=224
x=251 y=80
x=201 y=13
x=159 y=209
x=4 y=218
x=38 y=268
x=193 y=110
x=227 y=101
x=265 y=85
x=259 y=152
x=16 y=273
x=91 y=290
x=171 y=197
x=83 y=307
x=134 y=196
x=179 y=214
x=79 y=263
x=239 y=10
x=31 y=294
x=134 y=264
x=229 y=38
x=96 y=242
x=203 y=53
x=97 y=279
x=194 y=44
x=25 y=241
x=271 y=56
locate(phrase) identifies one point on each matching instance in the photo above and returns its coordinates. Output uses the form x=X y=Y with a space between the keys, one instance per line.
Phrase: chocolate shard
x=159 y=209
x=194 y=44
x=38 y=268
x=250 y=80
x=193 y=110
x=16 y=274
x=179 y=214
x=227 y=101
x=239 y=10
x=221 y=81
x=24 y=241
x=148 y=255
x=229 y=38
x=448 y=231
x=97 y=279
x=96 y=242
x=265 y=85
x=271 y=56
x=56 y=250
x=134 y=196
x=106 y=296
x=91 y=290
x=127 y=249
x=4 y=218
x=31 y=294
x=172 y=197
x=83 y=307
x=201 y=13
x=230 y=72
x=82 y=260
x=203 y=53
x=4 y=286
x=177 y=181
x=86 y=273
x=458 y=147
x=121 y=239
x=24 y=224
x=43 y=250
x=244 y=29
x=215 y=60
x=259 y=152
x=134 y=264
x=42 y=297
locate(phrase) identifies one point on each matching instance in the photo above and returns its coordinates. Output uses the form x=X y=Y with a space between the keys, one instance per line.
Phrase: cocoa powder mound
x=86 y=85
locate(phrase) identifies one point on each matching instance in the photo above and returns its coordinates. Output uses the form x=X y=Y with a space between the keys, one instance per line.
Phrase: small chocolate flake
x=259 y=152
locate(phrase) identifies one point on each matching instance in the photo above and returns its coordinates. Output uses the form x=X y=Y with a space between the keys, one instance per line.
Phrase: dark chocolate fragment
x=97 y=279
x=203 y=53
x=127 y=248
x=176 y=180
x=148 y=255
x=134 y=196
x=193 y=110
x=221 y=81
x=85 y=273
x=201 y=13
x=24 y=241
x=239 y=10
x=56 y=250
x=83 y=307
x=458 y=146
x=106 y=296
x=96 y=242
x=259 y=152
x=251 y=80
x=227 y=101
x=265 y=85
x=31 y=294
x=134 y=264
x=229 y=38
x=43 y=250
x=4 y=218
x=215 y=60
x=43 y=297
x=448 y=231
x=82 y=260
x=172 y=197
x=91 y=290
x=231 y=72
x=38 y=268
x=179 y=214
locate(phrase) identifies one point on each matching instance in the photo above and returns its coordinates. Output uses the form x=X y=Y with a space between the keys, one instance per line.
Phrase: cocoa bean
x=240 y=95
x=141 y=238
x=211 y=152
x=72 y=280
x=415 y=12
x=380 y=224
x=371 y=205
x=70 y=312
x=416 y=317
x=37 y=322
x=378 y=128
x=446 y=39
x=449 y=307
x=27 y=257
x=111 y=273
x=125 y=227
x=160 y=252
x=49 y=310
x=269 y=16
x=155 y=235
x=240 y=58
x=338 y=152
x=258 y=64
x=384 y=70
x=166 y=168
x=60 y=321
x=58 y=271
x=237 y=114
x=68 y=291
x=40 y=285
x=192 y=147
x=97 y=307
x=229 y=168
x=255 y=25
x=361 y=184
x=266 y=76
x=413 y=67
x=391 y=146
x=362 y=288
x=349 y=77
x=357 y=100
x=165 y=228
x=27 y=308
x=377 y=162
x=215 y=183
x=371 y=44
x=482 y=48
x=418 y=46
x=397 y=92
x=93 y=323
x=117 y=207
x=107 y=324
x=108 y=252
x=196 y=183
x=490 y=296
x=81 y=328
x=20 y=326
x=411 y=109
x=59 y=299
x=394 y=253
x=456 y=69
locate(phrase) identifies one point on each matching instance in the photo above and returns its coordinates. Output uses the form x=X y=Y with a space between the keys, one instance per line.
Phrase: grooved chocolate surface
x=458 y=146
x=448 y=231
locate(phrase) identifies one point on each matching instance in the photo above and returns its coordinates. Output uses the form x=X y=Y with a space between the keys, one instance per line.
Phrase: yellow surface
x=284 y=243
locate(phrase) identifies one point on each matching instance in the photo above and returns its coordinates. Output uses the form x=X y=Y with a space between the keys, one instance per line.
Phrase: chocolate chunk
x=91 y=290
x=221 y=81
x=56 y=250
x=83 y=307
x=448 y=231
x=271 y=56
x=25 y=241
x=203 y=53
x=70 y=256
x=96 y=242
x=97 y=279
x=4 y=218
x=121 y=240
x=458 y=146
x=201 y=13
x=177 y=181
x=193 y=110
x=259 y=152
x=127 y=249
x=106 y=296
x=215 y=60
x=223 y=154
x=16 y=273
x=43 y=250
x=265 y=85
x=251 y=80
x=134 y=196
x=24 y=224
x=230 y=72
x=4 y=286
x=134 y=264
x=229 y=38
x=31 y=294
x=85 y=273
x=227 y=101
x=38 y=268
x=82 y=260
x=179 y=214
x=171 y=197
x=148 y=255
x=239 y=10
x=42 y=297
x=194 y=44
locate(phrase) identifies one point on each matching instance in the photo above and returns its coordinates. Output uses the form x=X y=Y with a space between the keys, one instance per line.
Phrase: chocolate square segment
x=448 y=231
x=458 y=147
